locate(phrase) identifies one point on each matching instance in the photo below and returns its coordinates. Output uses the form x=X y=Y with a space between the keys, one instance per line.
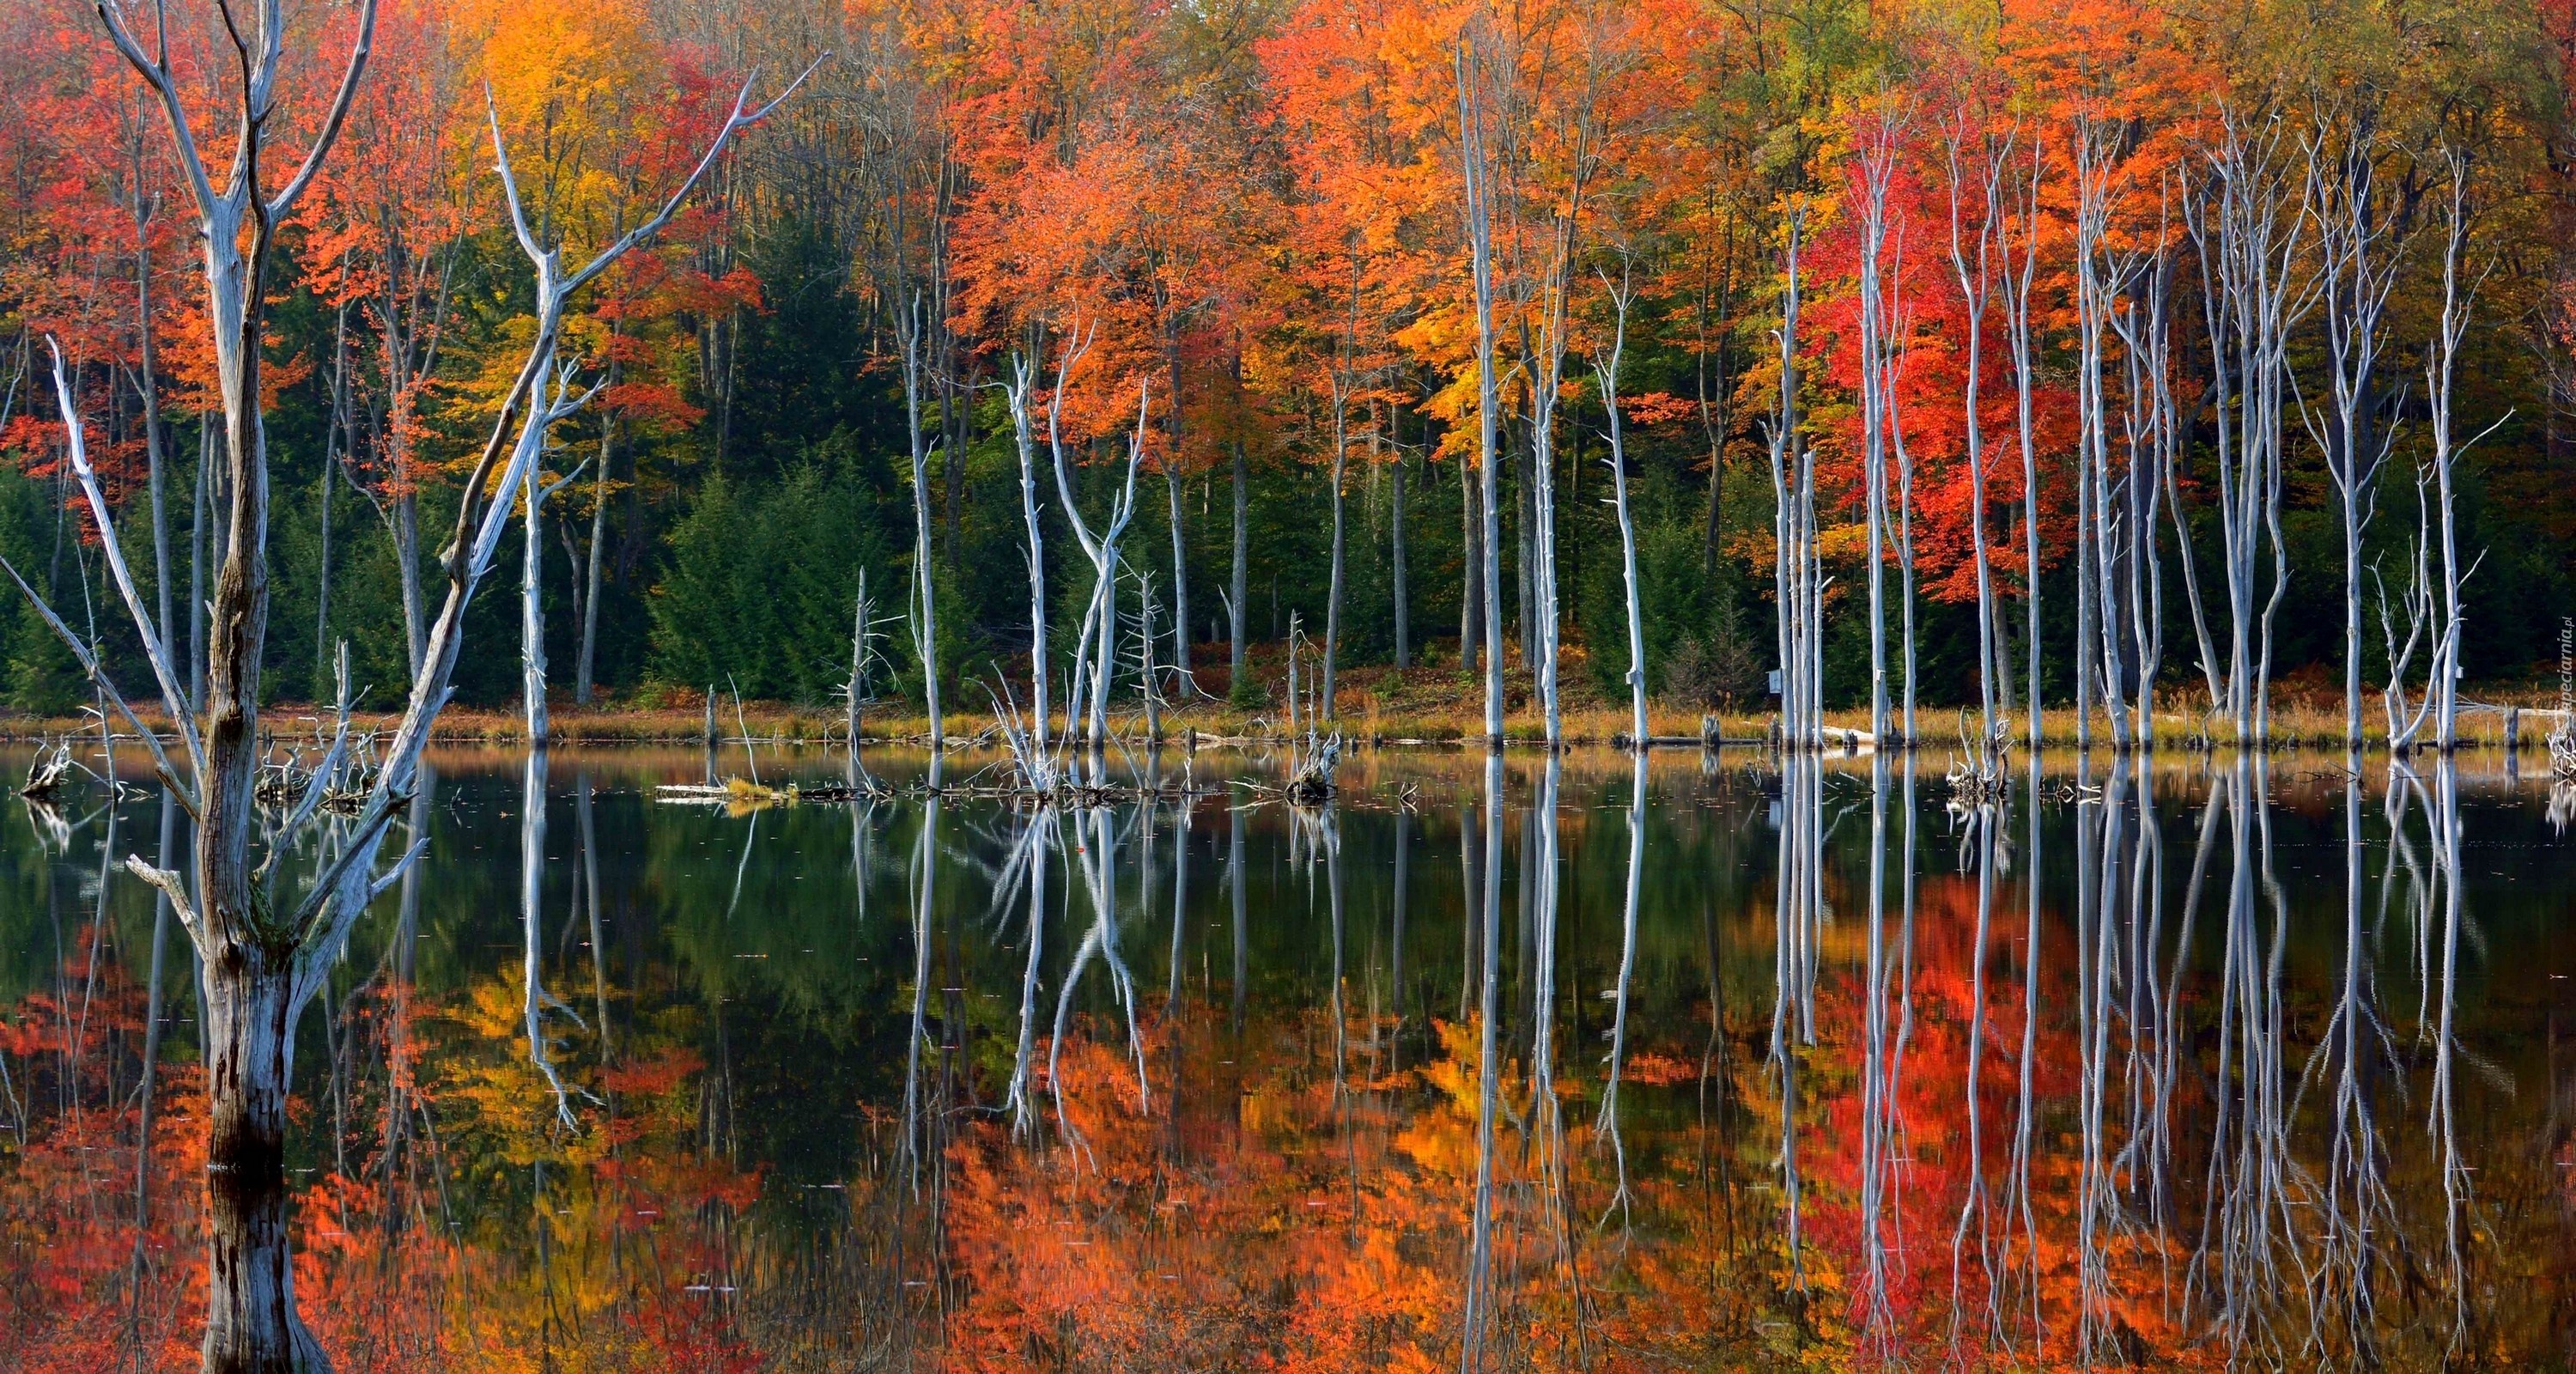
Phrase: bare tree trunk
x=1488 y=399
x=1344 y=381
x=532 y=610
x=1905 y=567
x=2440 y=366
x=322 y=595
x=1471 y=562
x=1639 y=735
x=1023 y=379
x=1548 y=610
x=1877 y=163
x=1180 y=535
x=336 y=432
x=1333 y=597
x=1798 y=599
x=2355 y=279
x=924 y=574
x=1236 y=608
x=1402 y=602
x=2017 y=293
x=1975 y=274
x=154 y=447
x=197 y=566
x=1100 y=623
x=406 y=507
x=584 y=671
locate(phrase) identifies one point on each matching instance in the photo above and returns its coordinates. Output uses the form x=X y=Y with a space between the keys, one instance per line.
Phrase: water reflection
x=2115 y=1063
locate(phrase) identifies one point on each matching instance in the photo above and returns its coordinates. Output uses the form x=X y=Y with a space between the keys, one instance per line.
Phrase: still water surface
x=1497 y=1067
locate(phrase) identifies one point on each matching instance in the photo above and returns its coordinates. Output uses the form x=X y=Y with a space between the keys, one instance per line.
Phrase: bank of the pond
x=1376 y=705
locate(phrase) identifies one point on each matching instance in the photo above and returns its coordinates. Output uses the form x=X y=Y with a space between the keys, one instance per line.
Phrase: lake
x=1490 y=1065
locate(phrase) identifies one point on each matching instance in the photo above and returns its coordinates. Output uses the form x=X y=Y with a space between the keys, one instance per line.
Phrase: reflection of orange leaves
x=654 y=1076
x=1658 y=1070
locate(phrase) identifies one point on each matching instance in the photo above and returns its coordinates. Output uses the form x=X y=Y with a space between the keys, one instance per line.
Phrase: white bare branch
x=173 y=700
x=98 y=674
x=734 y=123
x=284 y=201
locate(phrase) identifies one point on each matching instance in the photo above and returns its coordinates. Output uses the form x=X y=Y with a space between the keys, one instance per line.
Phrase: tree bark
x=251 y=1321
x=1023 y=379
x=1639 y=736
x=1402 y=608
x=1333 y=596
x=1471 y=593
x=585 y=669
x=1236 y=608
x=1180 y=539
x=924 y=571
x=1488 y=385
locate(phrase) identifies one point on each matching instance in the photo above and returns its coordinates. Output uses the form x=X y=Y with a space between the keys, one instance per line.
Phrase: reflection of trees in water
x=2142 y=1146
x=2317 y=1231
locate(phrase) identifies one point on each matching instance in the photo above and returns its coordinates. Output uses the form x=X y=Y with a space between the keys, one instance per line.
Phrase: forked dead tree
x=549 y=379
x=2441 y=368
x=1607 y=371
x=925 y=599
x=268 y=942
x=1478 y=181
x=2360 y=259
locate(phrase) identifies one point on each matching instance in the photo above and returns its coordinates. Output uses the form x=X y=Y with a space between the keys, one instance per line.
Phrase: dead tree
x=1345 y=381
x=1876 y=166
x=1480 y=253
x=2017 y=283
x=2098 y=282
x=268 y=943
x=2358 y=268
x=1799 y=594
x=2441 y=365
x=2247 y=234
x=1017 y=392
x=1091 y=675
x=1607 y=371
x=925 y=600
x=1975 y=268
x=546 y=381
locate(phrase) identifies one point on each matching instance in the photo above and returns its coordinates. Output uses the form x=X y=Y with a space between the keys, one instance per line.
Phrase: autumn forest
x=1302 y=684
x=2130 y=309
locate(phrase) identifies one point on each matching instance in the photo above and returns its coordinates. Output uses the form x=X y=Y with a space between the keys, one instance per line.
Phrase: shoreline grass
x=1377 y=705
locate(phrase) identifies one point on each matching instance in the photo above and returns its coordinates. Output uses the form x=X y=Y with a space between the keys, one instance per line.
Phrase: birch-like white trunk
x=1608 y=374
x=2018 y=280
x=1876 y=164
x=2357 y=270
x=1480 y=255
x=1974 y=268
x=925 y=602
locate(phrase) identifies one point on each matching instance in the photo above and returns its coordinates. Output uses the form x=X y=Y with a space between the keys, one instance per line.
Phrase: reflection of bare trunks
x=925 y=891
x=1797 y=915
x=1607 y=1124
x=1476 y=1313
x=532 y=867
x=1977 y=848
x=1026 y=871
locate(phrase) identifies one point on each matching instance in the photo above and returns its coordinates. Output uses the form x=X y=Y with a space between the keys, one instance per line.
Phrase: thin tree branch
x=173 y=700
x=285 y=199
x=98 y=674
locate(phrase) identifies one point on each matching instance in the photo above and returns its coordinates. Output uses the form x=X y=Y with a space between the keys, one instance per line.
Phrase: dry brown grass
x=1376 y=703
